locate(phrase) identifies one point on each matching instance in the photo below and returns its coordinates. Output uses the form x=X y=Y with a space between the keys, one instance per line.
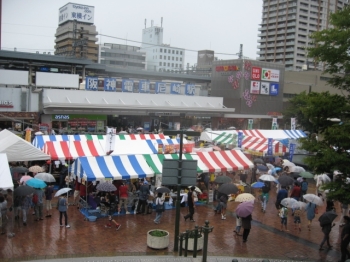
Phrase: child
x=109 y=224
x=283 y=215
x=297 y=220
x=238 y=225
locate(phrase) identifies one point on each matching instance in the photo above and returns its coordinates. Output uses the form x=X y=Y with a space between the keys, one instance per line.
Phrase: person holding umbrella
x=62 y=208
x=246 y=224
x=345 y=240
x=191 y=205
x=326 y=222
x=159 y=201
x=223 y=203
x=265 y=195
x=310 y=213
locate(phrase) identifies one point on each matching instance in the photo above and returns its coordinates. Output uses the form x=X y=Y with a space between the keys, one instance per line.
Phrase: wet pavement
x=91 y=241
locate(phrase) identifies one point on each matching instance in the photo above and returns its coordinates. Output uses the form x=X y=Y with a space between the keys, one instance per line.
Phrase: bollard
x=206 y=229
x=186 y=242
x=235 y=260
x=195 y=241
x=181 y=241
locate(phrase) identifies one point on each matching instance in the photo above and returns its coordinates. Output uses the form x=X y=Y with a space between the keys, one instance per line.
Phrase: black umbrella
x=24 y=190
x=262 y=168
x=327 y=218
x=222 y=179
x=19 y=169
x=285 y=180
x=258 y=161
x=106 y=187
x=228 y=189
x=162 y=190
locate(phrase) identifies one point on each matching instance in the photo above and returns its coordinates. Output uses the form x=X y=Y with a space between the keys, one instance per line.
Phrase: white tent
x=17 y=149
x=5 y=173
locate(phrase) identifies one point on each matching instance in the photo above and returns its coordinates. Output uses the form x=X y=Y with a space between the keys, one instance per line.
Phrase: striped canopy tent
x=132 y=147
x=101 y=168
x=225 y=160
x=61 y=150
x=140 y=136
x=259 y=146
x=156 y=161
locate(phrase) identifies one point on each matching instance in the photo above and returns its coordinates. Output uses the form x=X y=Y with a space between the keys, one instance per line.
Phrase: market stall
x=259 y=146
x=5 y=173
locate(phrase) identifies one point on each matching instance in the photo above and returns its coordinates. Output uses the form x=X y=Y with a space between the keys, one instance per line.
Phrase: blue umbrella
x=257 y=185
x=262 y=168
x=36 y=183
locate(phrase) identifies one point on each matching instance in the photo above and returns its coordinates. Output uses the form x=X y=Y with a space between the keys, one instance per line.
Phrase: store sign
x=226 y=68
x=256 y=73
x=274 y=87
x=254 y=87
x=190 y=89
x=144 y=86
x=6 y=104
x=110 y=84
x=127 y=85
x=91 y=83
x=160 y=88
x=61 y=117
x=270 y=75
x=78 y=12
x=265 y=88
x=175 y=88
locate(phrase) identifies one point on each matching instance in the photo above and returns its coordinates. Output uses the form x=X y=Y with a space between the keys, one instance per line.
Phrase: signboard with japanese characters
x=175 y=88
x=265 y=88
x=254 y=87
x=81 y=13
x=160 y=88
x=256 y=73
x=190 y=89
x=144 y=86
x=91 y=83
x=110 y=84
x=274 y=87
x=271 y=75
x=127 y=85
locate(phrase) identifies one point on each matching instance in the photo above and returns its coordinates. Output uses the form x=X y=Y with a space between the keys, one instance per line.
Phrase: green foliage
x=192 y=234
x=158 y=233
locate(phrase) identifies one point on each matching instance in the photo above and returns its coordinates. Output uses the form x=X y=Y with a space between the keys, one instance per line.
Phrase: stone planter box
x=157 y=242
x=190 y=246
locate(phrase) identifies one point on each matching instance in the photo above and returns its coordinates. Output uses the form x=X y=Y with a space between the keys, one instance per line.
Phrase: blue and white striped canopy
x=111 y=167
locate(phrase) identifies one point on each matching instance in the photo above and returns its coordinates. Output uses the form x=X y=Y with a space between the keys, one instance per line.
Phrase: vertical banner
x=175 y=88
x=110 y=139
x=160 y=88
x=110 y=84
x=250 y=124
x=291 y=151
x=240 y=138
x=269 y=146
x=144 y=86
x=292 y=124
x=190 y=89
x=91 y=83
x=274 y=124
x=127 y=85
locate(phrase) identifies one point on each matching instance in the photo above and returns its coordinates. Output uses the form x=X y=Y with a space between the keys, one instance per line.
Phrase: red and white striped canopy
x=226 y=160
x=259 y=146
x=73 y=149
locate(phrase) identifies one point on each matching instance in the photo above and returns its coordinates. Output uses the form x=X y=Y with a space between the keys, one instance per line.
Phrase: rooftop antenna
x=161 y=22
x=240 y=54
x=145 y=23
x=151 y=23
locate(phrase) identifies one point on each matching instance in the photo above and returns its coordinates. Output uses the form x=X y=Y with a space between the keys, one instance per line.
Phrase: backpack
x=35 y=199
x=304 y=186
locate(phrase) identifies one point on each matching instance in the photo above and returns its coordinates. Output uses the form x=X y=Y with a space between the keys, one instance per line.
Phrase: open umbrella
x=327 y=218
x=289 y=202
x=290 y=164
x=306 y=174
x=222 y=179
x=270 y=166
x=36 y=169
x=39 y=133
x=62 y=191
x=324 y=177
x=231 y=128
x=244 y=197
x=267 y=178
x=228 y=189
x=36 y=183
x=45 y=177
x=299 y=205
x=25 y=178
x=257 y=185
x=23 y=191
x=245 y=209
x=258 y=161
x=262 y=168
x=296 y=169
x=196 y=189
x=313 y=199
x=285 y=180
x=19 y=169
x=106 y=187
x=162 y=190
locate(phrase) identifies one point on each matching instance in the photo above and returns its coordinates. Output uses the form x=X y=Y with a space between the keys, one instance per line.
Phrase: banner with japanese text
x=110 y=84
x=239 y=139
x=269 y=146
x=160 y=88
x=292 y=124
x=175 y=88
x=91 y=83
x=144 y=86
x=291 y=151
x=127 y=85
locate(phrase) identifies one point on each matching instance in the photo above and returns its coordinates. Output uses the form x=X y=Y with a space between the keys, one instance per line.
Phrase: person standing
x=297 y=219
x=3 y=214
x=326 y=229
x=345 y=211
x=282 y=194
x=345 y=240
x=62 y=208
x=238 y=225
x=143 y=196
x=191 y=205
x=304 y=186
x=265 y=195
x=123 y=197
x=295 y=194
x=159 y=201
x=48 y=198
x=246 y=224
x=39 y=205
x=223 y=203
x=25 y=204
x=310 y=213
x=284 y=218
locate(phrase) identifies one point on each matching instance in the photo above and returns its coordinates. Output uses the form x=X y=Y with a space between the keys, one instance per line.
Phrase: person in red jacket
x=296 y=192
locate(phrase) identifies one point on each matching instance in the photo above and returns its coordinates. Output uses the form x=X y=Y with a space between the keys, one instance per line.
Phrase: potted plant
x=157 y=239
x=190 y=246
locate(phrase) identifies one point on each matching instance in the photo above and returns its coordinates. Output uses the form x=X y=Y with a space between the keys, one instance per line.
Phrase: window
x=180 y=58
x=173 y=52
x=176 y=65
x=168 y=64
x=161 y=50
x=172 y=64
x=160 y=57
x=172 y=58
x=160 y=63
x=177 y=59
x=180 y=52
x=168 y=57
x=177 y=52
x=164 y=50
x=169 y=51
x=180 y=65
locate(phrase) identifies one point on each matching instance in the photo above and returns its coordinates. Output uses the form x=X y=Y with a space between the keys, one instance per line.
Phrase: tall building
x=286 y=26
x=76 y=32
x=160 y=56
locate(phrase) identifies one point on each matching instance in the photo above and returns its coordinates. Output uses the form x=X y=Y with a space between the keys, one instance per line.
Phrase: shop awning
x=140 y=136
x=111 y=167
x=40 y=140
x=156 y=161
x=259 y=146
x=61 y=150
x=225 y=160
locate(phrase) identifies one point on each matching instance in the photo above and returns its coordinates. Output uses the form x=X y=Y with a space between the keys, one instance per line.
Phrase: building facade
x=286 y=26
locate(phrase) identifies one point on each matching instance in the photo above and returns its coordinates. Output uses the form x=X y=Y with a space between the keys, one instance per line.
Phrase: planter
x=157 y=242
x=190 y=246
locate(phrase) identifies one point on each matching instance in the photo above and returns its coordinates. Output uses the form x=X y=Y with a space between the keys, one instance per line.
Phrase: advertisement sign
x=256 y=73
x=274 y=123
x=127 y=85
x=146 y=126
x=176 y=126
x=269 y=146
x=291 y=151
x=160 y=88
x=274 y=87
x=254 y=87
x=226 y=68
x=6 y=104
x=175 y=88
x=110 y=84
x=91 y=83
x=190 y=89
x=144 y=86
x=250 y=124
x=271 y=75
x=265 y=88
x=292 y=123
x=239 y=139
x=81 y=13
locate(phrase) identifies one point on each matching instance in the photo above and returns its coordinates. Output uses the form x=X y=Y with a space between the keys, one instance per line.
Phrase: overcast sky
x=220 y=25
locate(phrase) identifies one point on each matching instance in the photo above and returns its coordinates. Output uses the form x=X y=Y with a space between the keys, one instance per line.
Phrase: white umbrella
x=62 y=191
x=45 y=177
x=267 y=178
x=296 y=169
x=196 y=189
x=122 y=132
x=299 y=204
x=39 y=133
x=270 y=166
x=313 y=199
x=139 y=128
x=289 y=164
x=324 y=177
x=231 y=128
x=289 y=202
